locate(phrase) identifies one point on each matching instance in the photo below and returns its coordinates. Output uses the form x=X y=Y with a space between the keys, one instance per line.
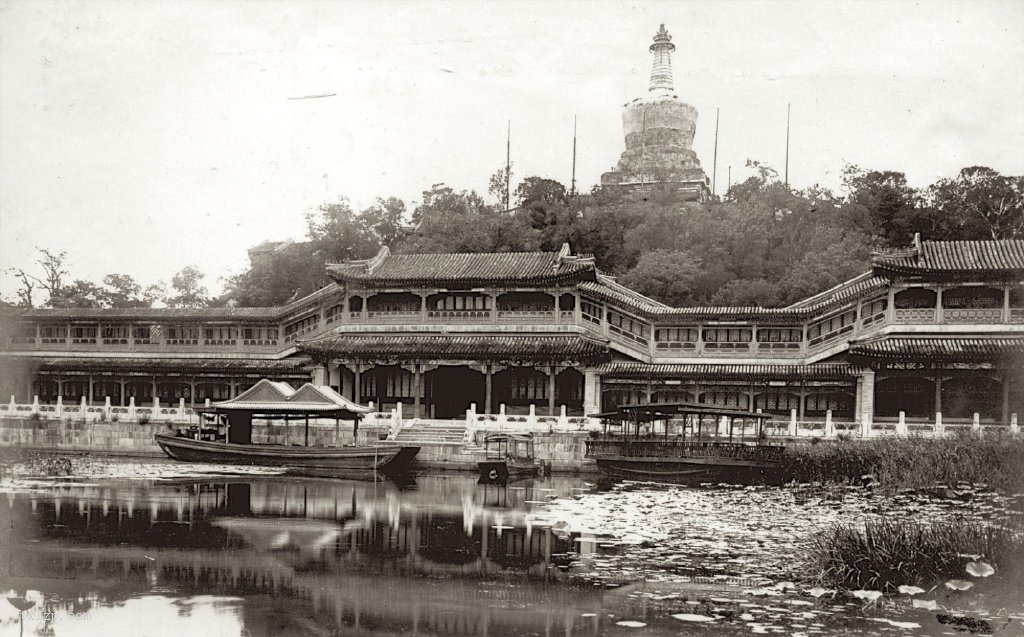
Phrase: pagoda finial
x=661 y=69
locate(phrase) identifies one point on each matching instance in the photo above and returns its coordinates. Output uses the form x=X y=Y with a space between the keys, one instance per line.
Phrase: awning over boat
x=274 y=398
x=644 y=412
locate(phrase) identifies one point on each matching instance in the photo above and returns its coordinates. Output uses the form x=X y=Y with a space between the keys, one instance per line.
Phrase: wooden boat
x=696 y=442
x=508 y=456
x=380 y=457
x=227 y=434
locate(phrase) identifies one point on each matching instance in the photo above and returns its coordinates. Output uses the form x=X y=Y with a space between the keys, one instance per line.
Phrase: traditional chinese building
x=937 y=328
x=659 y=130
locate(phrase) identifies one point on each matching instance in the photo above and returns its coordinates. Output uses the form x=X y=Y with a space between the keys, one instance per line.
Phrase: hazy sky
x=141 y=137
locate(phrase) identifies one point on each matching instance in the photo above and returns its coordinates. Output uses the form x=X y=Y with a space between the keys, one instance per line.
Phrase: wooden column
x=123 y=386
x=551 y=390
x=417 y=389
x=307 y=430
x=192 y=390
x=1006 y=398
x=488 y=386
x=90 y=390
x=938 y=392
x=356 y=386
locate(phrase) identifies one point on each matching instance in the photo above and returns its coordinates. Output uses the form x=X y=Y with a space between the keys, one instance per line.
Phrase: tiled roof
x=629 y=369
x=965 y=350
x=243 y=365
x=955 y=256
x=843 y=292
x=491 y=348
x=609 y=289
x=173 y=313
x=521 y=268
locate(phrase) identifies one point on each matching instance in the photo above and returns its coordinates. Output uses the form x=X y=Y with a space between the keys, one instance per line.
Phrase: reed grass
x=884 y=554
x=996 y=459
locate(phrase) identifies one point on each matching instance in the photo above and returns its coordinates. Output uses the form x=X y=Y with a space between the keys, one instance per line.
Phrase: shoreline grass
x=885 y=554
x=996 y=459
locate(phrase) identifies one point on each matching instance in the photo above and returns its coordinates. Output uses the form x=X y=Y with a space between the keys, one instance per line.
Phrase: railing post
x=35 y=405
x=131 y=409
x=85 y=408
x=829 y=428
x=1014 y=427
x=398 y=414
x=939 y=427
x=563 y=418
x=181 y=409
x=502 y=418
x=901 y=426
x=865 y=426
x=106 y=407
x=60 y=408
x=531 y=421
x=792 y=423
x=976 y=423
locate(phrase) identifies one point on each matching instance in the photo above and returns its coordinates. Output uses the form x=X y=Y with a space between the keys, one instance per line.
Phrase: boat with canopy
x=225 y=432
x=508 y=456
x=684 y=441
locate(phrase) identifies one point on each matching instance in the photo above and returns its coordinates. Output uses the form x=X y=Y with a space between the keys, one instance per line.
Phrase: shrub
x=143 y=419
x=883 y=554
x=996 y=459
x=35 y=416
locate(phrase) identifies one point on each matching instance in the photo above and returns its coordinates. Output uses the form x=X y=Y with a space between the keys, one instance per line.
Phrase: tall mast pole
x=787 y=147
x=572 y=188
x=729 y=187
x=508 y=164
x=714 y=161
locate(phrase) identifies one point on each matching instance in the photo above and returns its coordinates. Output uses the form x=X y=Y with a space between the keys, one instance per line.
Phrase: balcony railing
x=972 y=315
x=915 y=315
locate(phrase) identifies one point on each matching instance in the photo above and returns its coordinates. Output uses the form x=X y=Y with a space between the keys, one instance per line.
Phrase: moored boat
x=227 y=436
x=696 y=442
x=509 y=456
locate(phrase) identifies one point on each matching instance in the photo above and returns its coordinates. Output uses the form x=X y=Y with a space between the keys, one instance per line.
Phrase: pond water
x=160 y=548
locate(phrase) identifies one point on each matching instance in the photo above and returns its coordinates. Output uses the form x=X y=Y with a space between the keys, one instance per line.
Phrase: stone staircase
x=432 y=431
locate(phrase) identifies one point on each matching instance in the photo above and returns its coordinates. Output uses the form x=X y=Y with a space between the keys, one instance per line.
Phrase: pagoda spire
x=661 y=69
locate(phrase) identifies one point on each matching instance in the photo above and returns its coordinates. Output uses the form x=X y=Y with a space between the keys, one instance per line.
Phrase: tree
x=124 y=291
x=982 y=203
x=541 y=199
x=450 y=221
x=498 y=186
x=338 y=234
x=384 y=219
x=749 y=292
x=26 y=288
x=286 y=274
x=80 y=293
x=664 y=275
x=891 y=204
x=187 y=283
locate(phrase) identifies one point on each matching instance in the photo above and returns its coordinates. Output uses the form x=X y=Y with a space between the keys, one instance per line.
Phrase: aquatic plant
x=888 y=555
x=996 y=459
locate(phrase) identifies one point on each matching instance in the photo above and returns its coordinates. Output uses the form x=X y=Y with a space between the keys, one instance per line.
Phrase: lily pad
x=870 y=596
x=980 y=569
x=911 y=590
x=895 y=624
x=688 y=617
x=927 y=604
x=630 y=624
x=959 y=584
x=818 y=591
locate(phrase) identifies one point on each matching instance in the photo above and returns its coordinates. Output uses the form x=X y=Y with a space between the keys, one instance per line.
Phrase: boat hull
x=378 y=457
x=500 y=471
x=687 y=470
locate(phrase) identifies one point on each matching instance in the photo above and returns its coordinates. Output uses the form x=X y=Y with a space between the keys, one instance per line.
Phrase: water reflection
x=281 y=556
